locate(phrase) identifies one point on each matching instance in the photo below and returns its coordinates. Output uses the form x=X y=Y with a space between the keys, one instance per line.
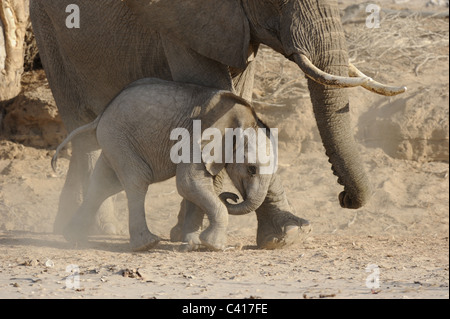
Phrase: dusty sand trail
x=400 y=237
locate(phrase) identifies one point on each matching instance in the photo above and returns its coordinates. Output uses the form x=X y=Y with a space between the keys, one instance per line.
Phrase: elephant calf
x=138 y=134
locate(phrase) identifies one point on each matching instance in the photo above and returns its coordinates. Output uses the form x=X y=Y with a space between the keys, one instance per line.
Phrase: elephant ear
x=212 y=114
x=214 y=144
x=216 y=116
x=217 y=29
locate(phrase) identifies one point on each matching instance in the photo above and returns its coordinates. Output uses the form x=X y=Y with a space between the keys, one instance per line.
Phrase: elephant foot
x=106 y=222
x=176 y=233
x=62 y=220
x=291 y=235
x=281 y=230
x=143 y=241
x=103 y=227
x=191 y=246
x=107 y=229
x=76 y=233
x=214 y=239
x=193 y=241
x=189 y=224
x=59 y=226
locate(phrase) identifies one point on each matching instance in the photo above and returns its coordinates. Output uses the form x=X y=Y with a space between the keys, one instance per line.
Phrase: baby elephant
x=139 y=134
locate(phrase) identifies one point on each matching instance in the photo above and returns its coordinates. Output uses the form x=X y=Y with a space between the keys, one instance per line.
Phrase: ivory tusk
x=324 y=78
x=375 y=86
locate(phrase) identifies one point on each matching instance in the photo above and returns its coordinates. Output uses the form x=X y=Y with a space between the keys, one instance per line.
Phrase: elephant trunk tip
x=346 y=200
x=242 y=208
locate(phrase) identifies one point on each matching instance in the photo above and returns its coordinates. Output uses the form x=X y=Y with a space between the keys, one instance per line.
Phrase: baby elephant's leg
x=189 y=223
x=196 y=185
x=135 y=176
x=215 y=235
x=193 y=222
x=141 y=238
x=103 y=183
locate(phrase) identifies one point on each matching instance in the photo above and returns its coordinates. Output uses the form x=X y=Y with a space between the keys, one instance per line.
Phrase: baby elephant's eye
x=251 y=170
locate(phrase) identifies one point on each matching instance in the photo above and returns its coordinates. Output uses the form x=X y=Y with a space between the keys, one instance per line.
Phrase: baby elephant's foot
x=214 y=239
x=192 y=240
x=176 y=233
x=144 y=240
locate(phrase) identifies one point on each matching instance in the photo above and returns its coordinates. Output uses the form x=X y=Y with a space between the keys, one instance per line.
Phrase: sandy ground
x=400 y=237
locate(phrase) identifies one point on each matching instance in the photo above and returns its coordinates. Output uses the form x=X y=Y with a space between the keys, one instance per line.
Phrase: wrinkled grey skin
x=134 y=133
x=211 y=43
x=275 y=213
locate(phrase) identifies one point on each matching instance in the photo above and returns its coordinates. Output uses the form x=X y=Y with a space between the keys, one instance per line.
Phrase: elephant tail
x=82 y=129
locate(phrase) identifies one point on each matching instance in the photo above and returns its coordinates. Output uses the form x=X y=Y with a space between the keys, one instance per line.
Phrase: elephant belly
x=114 y=52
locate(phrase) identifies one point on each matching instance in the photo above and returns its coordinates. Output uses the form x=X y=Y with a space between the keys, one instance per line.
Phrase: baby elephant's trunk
x=82 y=129
x=243 y=208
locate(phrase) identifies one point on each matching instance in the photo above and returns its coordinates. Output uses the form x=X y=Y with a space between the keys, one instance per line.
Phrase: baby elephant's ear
x=212 y=151
x=216 y=117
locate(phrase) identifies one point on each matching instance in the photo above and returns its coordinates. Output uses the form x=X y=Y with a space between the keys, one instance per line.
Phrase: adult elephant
x=207 y=42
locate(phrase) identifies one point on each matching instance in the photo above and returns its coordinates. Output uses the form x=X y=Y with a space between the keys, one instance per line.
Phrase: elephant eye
x=251 y=170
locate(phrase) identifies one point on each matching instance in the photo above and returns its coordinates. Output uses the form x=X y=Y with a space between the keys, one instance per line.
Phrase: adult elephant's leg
x=84 y=156
x=63 y=80
x=188 y=66
x=279 y=228
x=103 y=184
x=277 y=225
x=72 y=192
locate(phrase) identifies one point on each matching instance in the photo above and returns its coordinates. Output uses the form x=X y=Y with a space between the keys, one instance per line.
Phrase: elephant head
x=308 y=32
x=252 y=176
x=235 y=139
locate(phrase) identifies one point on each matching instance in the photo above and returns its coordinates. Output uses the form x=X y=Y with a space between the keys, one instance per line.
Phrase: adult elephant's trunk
x=319 y=49
x=331 y=109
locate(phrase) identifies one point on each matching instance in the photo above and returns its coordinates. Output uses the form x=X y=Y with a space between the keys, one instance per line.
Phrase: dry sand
x=401 y=236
